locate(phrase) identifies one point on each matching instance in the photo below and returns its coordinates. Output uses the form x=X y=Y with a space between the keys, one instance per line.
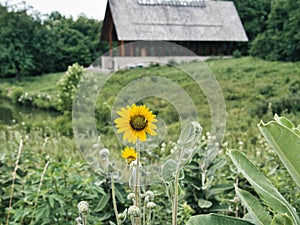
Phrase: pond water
x=11 y=113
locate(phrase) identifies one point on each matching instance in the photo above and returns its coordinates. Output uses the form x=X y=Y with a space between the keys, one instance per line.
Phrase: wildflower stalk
x=83 y=208
x=39 y=190
x=113 y=193
x=149 y=217
x=144 y=212
x=13 y=179
x=176 y=190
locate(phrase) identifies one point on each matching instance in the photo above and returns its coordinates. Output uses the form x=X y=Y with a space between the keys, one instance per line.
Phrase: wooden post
x=131 y=49
x=121 y=48
x=110 y=38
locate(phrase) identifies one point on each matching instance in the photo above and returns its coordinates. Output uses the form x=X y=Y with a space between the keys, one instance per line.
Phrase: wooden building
x=205 y=27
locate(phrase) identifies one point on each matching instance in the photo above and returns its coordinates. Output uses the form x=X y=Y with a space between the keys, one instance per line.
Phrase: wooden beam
x=122 y=49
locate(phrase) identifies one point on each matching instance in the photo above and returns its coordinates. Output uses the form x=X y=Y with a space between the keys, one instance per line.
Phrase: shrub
x=68 y=85
x=16 y=93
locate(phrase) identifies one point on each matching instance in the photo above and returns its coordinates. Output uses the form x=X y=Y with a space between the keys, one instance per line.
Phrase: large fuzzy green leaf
x=285 y=140
x=262 y=185
x=282 y=219
x=216 y=219
x=256 y=210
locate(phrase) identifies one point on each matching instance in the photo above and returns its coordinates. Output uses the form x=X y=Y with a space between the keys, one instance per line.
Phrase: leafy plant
x=68 y=86
x=285 y=140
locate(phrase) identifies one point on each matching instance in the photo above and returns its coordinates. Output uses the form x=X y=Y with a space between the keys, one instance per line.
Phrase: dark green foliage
x=281 y=39
x=206 y=190
x=30 y=46
x=254 y=15
x=287 y=103
x=16 y=52
x=47 y=194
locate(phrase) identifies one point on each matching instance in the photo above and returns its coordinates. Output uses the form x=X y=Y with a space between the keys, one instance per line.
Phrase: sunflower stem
x=136 y=186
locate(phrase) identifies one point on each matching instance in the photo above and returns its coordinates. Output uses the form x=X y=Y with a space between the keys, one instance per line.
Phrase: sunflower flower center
x=130 y=159
x=138 y=122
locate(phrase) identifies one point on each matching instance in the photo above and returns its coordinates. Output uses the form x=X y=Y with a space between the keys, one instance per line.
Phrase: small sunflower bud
x=151 y=205
x=134 y=211
x=83 y=207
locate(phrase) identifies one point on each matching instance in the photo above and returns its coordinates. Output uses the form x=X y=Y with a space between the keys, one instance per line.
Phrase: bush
x=16 y=93
x=68 y=86
x=237 y=54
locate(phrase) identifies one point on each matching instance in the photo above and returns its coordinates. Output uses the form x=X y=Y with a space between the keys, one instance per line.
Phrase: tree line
x=272 y=27
x=32 y=44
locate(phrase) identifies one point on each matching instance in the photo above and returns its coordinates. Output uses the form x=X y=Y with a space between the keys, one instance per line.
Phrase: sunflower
x=135 y=122
x=129 y=154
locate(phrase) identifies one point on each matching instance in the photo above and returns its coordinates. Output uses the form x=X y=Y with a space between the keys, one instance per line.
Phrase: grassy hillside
x=253 y=90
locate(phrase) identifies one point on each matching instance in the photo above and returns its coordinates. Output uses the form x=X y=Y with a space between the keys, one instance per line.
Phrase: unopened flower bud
x=121 y=216
x=116 y=175
x=103 y=153
x=151 y=205
x=130 y=196
x=134 y=211
x=150 y=194
x=83 y=207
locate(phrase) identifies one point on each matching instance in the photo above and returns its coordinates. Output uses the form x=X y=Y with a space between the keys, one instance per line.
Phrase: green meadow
x=51 y=176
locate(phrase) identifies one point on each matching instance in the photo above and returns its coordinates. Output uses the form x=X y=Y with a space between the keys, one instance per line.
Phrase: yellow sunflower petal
x=142 y=135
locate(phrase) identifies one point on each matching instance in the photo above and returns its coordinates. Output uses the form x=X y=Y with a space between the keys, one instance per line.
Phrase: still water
x=11 y=114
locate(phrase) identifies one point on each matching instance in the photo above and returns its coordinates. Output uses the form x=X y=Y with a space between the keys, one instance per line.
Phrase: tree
x=32 y=46
x=281 y=39
x=254 y=15
x=16 y=31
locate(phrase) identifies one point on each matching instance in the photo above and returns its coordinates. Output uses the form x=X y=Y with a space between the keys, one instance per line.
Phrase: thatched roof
x=216 y=21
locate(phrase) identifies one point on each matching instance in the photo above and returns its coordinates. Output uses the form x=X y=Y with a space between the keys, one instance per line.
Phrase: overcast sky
x=91 y=8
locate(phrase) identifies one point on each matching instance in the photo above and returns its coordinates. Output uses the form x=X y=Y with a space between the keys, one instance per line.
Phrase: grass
x=248 y=85
x=46 y=83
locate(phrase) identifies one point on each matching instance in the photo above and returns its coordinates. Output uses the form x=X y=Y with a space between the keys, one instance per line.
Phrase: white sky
x=94 y=9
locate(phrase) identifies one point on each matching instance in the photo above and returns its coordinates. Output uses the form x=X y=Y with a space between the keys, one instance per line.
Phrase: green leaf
x=51 y=201
x=218 y=189
x=168 y=169
x=256 y=210
x=58 y=198
x=102 y=203
x=285 y=142
x=283 y=121
x=262 y=185
x=216 y=219
x=120 y=193
x=282 y=219
x=190 y=133
x=104 y=217
x=216 y=166
x=202 y=203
